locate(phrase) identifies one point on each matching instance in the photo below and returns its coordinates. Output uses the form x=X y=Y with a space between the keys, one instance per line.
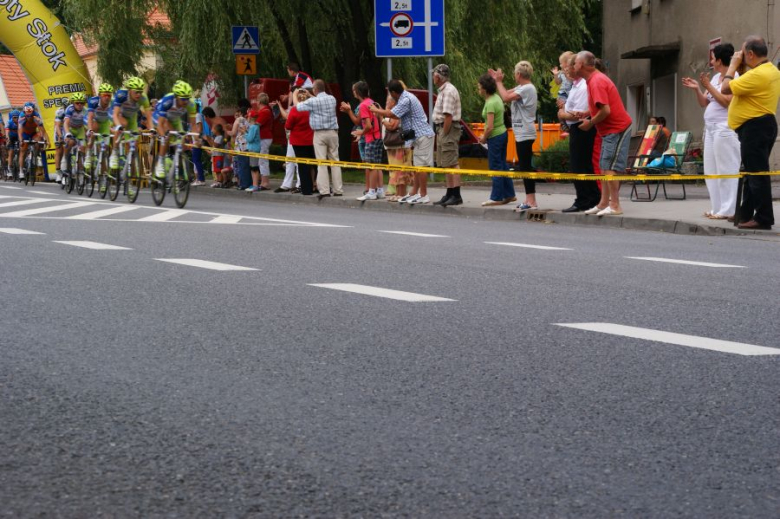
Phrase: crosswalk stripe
x=41 y=210
x=24 y=202
x=212 y=265
x=164 y=216
x=367 y=290
x=677 y=339
x=43 y=192
x=685 y=262
x=418 y=234
x=103 y=212
x=10 y=187
x=11 y=230
x=525 y=245
x=226 y=218
x=93 y=245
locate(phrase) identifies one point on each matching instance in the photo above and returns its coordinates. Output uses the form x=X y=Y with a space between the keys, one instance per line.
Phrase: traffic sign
x=246 y=39
x=246 y=65
x=409 y=28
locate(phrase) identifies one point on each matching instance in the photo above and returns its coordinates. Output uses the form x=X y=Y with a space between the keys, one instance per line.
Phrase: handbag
x=408 y=135
x=393 y=138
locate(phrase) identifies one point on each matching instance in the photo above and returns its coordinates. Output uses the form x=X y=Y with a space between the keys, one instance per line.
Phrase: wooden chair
x=678 y=149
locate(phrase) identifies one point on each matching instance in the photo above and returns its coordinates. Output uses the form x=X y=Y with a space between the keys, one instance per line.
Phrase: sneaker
x=159 y=171
x=367 y=196
x=608 y=211
x=21 y=175
x=65 y=180
x=380 y=194
x=593 y=210
x=420 y=200
x=252 y=189
x=408 y=199
x=58 y=178
x=198 y=183
x=113 y=161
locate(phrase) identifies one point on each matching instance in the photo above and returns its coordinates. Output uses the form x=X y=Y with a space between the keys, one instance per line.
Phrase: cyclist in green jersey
x=127 y=103
x=168 y=115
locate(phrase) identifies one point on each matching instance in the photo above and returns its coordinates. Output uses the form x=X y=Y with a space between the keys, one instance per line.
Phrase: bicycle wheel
x=181 y=184
x=113 y=183
x=91 y=181
x=102 y=176
x=158 y=187
x=133 y=181
x=70 y=180
x=33 y=171
x=79 y=176
x=28 y=166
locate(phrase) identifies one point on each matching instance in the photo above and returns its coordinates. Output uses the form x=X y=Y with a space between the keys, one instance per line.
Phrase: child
x=561 y=78
x=253 y=145
x=217 y=157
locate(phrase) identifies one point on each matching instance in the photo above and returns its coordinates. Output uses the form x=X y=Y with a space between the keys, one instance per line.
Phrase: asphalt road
x=134 y=387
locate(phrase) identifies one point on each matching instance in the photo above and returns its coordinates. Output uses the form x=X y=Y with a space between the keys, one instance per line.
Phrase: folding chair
x=641 y=159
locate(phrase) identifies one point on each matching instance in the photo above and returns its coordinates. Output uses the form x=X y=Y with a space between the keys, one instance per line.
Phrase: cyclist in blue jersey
x=98 y=118
x=128 y=102
x=12 y=129
x=74 y=125
x=168 y=116
x=30 y=127
x=59 y=136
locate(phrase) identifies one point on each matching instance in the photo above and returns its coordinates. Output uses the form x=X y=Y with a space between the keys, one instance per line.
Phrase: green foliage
x=554 y=159
x=332 y=40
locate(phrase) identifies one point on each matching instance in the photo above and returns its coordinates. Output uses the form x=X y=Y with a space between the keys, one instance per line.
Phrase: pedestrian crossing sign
x=246 y=65
x=246 y=40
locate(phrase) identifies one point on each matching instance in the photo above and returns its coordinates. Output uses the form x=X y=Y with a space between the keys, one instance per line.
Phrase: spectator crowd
x=739 y=101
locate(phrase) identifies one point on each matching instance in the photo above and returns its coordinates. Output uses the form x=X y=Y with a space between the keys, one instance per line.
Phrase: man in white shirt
x=580 y=143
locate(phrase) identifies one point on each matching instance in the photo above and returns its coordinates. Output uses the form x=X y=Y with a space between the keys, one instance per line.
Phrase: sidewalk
x=671 y=216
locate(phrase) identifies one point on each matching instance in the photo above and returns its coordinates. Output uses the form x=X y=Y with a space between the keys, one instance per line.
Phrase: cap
x=442 y=70
x=254 y=114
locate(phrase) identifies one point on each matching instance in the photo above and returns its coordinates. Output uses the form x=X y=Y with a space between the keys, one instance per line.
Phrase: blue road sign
x=409 y=28
x=246 y=40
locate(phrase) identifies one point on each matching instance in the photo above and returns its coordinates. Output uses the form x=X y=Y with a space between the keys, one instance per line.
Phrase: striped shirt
x=322 y=112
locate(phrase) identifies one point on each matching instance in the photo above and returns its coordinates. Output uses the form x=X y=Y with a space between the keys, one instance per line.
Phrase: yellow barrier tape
x=537 y=175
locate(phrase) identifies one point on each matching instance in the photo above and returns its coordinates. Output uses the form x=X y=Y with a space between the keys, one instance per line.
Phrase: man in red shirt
x=613 y=125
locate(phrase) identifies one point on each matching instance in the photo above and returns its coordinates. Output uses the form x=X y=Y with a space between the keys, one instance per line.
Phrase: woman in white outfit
x=721 y=144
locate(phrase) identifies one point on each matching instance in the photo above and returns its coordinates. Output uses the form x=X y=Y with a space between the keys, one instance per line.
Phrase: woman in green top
x=495 y=137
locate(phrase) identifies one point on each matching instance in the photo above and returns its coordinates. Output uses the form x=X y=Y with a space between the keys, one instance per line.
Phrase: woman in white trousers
x=721 y=144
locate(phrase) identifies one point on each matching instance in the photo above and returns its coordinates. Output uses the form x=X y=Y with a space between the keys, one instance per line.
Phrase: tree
x=331 y=39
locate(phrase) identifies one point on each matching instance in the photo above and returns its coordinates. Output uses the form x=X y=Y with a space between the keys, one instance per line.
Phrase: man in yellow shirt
x=752 y=116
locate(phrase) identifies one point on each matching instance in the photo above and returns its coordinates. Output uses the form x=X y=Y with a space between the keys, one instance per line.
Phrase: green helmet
x=105 y=88
x=182 y=89
x=78 y=97
x=134 y=83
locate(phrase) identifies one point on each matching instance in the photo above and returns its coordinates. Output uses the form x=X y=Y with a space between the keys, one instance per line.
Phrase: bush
x=554 y=159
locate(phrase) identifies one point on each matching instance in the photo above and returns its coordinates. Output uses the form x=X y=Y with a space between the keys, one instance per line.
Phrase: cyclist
x=168 y=116
x=98 y=118
x=31 y=126
x=59 y=136
x=2 y=137
x=73 y=124
x=13 y=138
x=128 y=102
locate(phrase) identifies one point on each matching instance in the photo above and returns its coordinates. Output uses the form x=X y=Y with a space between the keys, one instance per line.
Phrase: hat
x=253 y=114
x=442 y=70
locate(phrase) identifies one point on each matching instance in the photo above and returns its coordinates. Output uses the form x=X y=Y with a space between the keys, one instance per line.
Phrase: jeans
x=244 y=176
x=503 y=187
x=197 y=153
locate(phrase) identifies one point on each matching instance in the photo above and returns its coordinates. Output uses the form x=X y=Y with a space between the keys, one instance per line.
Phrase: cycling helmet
x=13 y=113
x=78 y=97
x=182 y=89
x=28 y=107
x=105 y=88
x=134 y=83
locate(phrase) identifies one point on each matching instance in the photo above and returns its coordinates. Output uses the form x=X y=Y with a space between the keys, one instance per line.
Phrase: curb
x=543 y=216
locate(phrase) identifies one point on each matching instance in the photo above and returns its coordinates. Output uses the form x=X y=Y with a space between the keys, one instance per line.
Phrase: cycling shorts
x=132 y=123
x=28 y=136
x=104 y=127
x=79 y=133
x=13 y=138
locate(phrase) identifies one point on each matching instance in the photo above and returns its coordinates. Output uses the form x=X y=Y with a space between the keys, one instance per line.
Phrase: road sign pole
x=246 y=88
x=430 y=91
x=389 y=69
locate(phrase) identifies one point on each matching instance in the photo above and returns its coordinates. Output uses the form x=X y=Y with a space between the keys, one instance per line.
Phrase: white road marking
x=381 y=292
x=93 y=245
x=674 y=338
x=684 y=262
x=213 y=265
x=42 y=193
x=103 y=212
x=40 y=210
x=24 y=202
x=525 y=245
x=10 y=187
x=418 y=234
x=11 y=230
x=226 y=218
x=163 y=216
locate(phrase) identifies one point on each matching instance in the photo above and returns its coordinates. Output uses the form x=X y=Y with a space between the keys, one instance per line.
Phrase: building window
x=635 y=5
x=636 y=105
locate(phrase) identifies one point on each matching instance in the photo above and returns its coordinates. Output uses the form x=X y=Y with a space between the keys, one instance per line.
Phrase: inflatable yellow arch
x=41 y=45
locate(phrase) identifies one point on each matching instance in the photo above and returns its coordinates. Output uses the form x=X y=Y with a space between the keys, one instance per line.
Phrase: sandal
x=717 y=217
